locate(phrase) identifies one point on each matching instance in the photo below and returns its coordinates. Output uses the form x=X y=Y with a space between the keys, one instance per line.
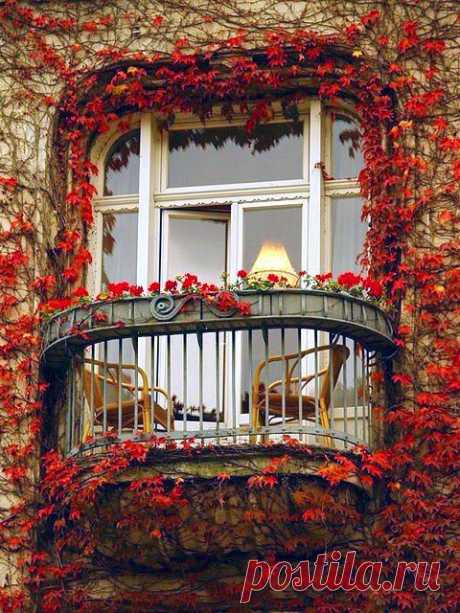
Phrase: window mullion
x=313 y=230
x=146 y=218
x=145 y=228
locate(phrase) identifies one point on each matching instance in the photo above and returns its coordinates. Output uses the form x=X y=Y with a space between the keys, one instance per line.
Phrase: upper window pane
x=348 y=234
x=122 y=166
x=219 y=156
x=347 y=159
x=119 y=248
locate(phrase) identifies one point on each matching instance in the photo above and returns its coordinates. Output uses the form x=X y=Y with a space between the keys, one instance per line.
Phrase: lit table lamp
x=273 y=260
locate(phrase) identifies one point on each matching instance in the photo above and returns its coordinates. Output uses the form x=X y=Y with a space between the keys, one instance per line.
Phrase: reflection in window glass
x=213 y=156
x=119 y=248
x=197 y=244
x=348 y=234
x=119 y=262
x=122 y=166
x=347 y=159
x=272 y=226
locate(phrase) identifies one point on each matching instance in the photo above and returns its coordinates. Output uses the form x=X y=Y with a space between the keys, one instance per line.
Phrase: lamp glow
x=274 y=260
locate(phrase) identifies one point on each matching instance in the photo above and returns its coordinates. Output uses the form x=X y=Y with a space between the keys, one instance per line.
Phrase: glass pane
x=348 y=234
x=197 y=244
x=347 y=159
x=214 y=156
x=119 y=263
x=122 y=166
x=119 y=248
x=279 y=229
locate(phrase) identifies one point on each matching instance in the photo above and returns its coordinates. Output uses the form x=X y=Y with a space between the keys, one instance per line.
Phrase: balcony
x=300 y=365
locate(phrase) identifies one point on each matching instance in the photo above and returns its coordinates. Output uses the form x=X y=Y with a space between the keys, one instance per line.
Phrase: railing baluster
x=234 y=423
x=104 y=391
x=168 y=383
x=184 y=383
x=120 y=389
x=74 y=401
x=199 y=338
x=355 y=387
x=344 y=383
x=251 y=375
x=299 y=386
x=285 y=366
x=331 y=384
x=152 y=383
x=136 y=384
x=316 y=380
x=368 y=399
x=266 y=339
x=69 y=416
x=363 y=392
x=217 y=384
x=92 y=390
x=82 y=399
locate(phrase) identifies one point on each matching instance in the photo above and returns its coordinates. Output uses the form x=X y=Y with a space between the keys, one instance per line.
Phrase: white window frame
x=333 y=188
x=229 y=188
x=154 y=194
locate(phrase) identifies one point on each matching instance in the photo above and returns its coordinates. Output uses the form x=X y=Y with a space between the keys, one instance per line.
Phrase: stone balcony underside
x=228 y=518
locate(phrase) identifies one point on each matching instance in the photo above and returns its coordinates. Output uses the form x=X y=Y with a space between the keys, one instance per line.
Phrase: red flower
x=226 y=301
x=118 y=289
x=244 y=308
x=349 y=279
x=170 y=286
x=189 y=281
x=99 y=316
x=70 y=274
x=374 y=287
x=58 y=304
x=323 y=278
x=80 y=292
x=208 y=288
x=44 y=283
x=242 y=274
x=136 y=290
x=273 y=278
x=154 y=287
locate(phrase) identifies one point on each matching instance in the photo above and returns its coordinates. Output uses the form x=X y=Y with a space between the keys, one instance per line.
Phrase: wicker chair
x=294 y=387
x=113 y=376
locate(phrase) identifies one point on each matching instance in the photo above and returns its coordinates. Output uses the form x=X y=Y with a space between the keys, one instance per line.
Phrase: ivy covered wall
x=69 y=70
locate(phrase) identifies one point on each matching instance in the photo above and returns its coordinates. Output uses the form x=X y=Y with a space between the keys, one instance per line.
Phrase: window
x=347 y=159
x=146 y=172
x=209 y=200
x=225 y=155
x=119 y=247
x=121 y=168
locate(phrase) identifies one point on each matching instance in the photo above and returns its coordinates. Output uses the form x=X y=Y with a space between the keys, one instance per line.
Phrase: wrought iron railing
x=300 y=365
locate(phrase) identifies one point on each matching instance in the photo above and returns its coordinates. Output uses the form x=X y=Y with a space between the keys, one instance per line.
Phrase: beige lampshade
x=273 y=259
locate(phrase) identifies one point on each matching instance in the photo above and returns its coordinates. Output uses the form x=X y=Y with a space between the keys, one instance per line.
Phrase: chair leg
x=147 y=418
x=324 y=419
x=255 y=422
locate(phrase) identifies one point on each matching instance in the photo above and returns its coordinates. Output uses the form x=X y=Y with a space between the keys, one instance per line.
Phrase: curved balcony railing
x=300 y=365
